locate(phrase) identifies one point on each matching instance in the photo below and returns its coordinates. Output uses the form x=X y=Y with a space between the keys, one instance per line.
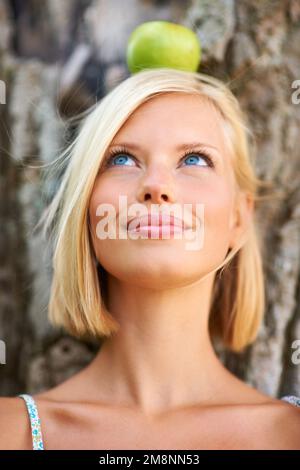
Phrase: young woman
x=160 y=138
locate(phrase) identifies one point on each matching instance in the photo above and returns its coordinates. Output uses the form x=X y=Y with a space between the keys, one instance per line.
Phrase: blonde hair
x=77 y=298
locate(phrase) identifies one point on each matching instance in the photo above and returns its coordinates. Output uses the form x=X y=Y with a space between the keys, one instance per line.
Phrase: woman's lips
x=157 y=225
x=157 y=231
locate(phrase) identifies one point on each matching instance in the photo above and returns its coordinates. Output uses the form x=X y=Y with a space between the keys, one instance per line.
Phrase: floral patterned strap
x=292 y=399
x=35 y=422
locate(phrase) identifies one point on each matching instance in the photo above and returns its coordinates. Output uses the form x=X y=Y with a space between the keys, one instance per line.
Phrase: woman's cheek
x=100 y=195
x=108 y=193
x=217 y=210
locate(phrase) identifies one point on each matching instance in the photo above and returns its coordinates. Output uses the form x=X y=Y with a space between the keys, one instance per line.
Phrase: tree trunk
x=56 y=59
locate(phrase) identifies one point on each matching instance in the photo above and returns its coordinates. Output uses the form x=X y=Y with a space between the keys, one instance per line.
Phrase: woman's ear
x=242 y=218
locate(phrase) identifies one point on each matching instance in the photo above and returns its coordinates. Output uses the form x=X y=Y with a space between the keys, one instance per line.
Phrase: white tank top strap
x=292 y=399
x=35 y=422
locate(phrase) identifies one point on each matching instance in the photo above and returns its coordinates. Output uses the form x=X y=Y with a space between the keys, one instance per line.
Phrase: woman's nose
x=157 y=188
x=157 y=194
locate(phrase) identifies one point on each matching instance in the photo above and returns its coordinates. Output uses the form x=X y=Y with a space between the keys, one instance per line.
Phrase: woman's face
x=153 y=170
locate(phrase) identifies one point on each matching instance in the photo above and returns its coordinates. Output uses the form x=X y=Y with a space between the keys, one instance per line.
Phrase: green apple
x=163 y=44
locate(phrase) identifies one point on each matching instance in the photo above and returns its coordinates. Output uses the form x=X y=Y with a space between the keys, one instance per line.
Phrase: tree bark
x=56 y=59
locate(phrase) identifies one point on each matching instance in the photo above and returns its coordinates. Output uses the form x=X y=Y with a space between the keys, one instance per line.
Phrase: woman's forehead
x=172 y=119
x=164 y=105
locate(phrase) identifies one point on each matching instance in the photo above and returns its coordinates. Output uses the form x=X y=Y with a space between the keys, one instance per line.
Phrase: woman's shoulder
x=279 y=425
x=15 y=430
x=265 y=422
x=289 y=420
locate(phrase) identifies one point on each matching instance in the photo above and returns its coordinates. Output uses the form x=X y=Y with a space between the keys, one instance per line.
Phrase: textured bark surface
x=56 y=59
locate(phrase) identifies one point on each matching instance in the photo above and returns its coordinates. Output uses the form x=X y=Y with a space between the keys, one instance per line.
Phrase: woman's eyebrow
x=185 y=146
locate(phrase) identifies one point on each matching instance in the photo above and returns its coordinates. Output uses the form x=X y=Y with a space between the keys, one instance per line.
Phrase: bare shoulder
x=278 y=426
x=15 y=433
x=260 y=422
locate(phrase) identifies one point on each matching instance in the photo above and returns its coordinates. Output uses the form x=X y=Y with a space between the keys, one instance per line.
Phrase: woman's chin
x=158 y=273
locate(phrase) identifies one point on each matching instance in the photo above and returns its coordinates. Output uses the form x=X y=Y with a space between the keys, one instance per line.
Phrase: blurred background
x=57 y=58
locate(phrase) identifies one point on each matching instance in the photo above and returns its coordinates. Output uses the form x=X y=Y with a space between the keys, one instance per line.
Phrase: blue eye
x=193 y=159
x=118 y=160
x=121 y=157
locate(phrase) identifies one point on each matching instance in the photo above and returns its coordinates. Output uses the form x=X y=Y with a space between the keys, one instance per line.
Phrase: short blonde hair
x=77 y=298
